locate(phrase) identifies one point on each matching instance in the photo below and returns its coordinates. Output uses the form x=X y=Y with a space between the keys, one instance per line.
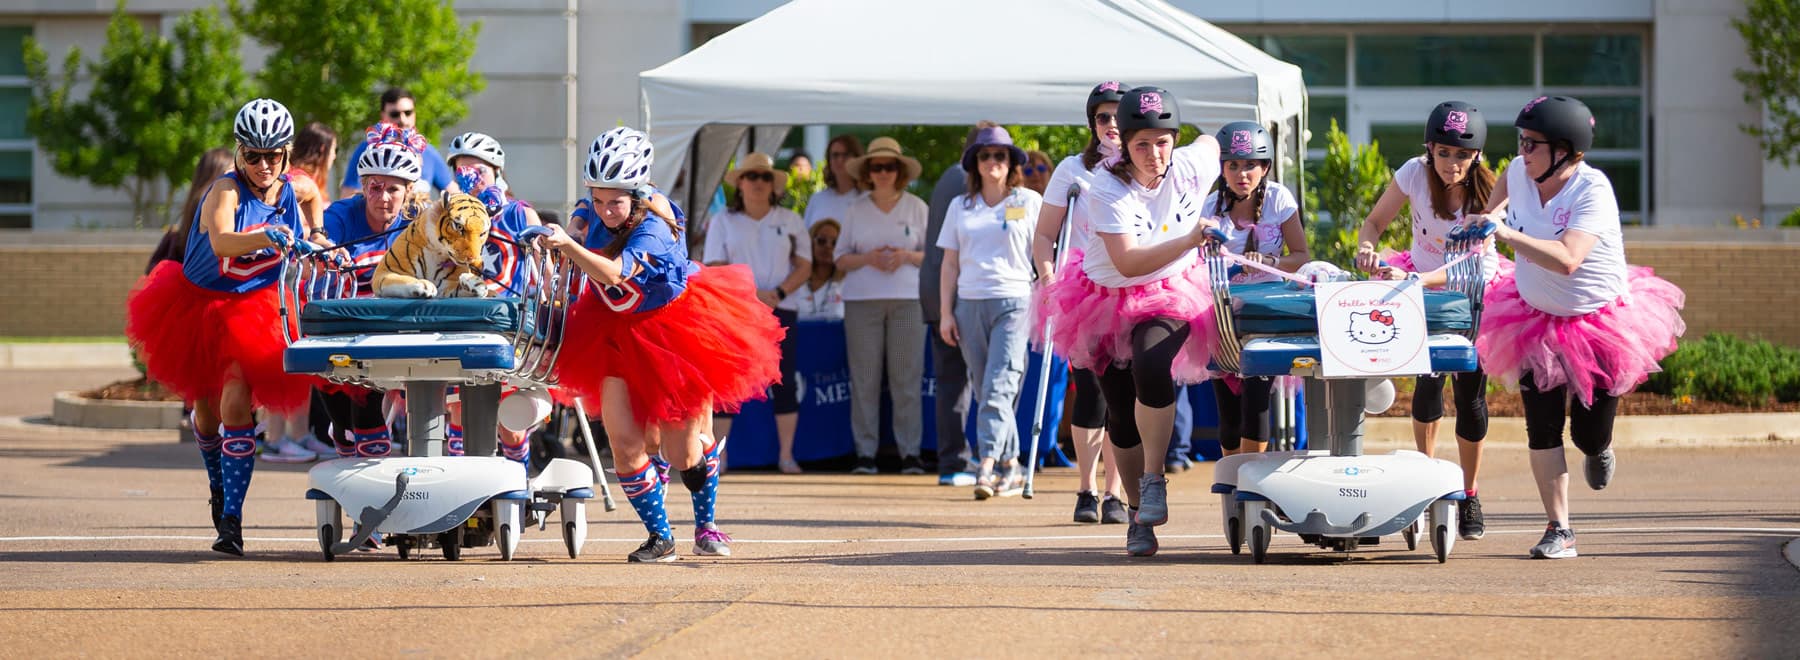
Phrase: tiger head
x=458 y=227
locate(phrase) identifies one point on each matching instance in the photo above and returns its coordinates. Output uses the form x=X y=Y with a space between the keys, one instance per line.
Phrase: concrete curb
x=71 y=409
x=65 y=356
x=1730 y=429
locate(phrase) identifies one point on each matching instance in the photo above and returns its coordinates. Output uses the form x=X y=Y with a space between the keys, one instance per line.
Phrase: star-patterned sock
x=520 y=452
x=702 y=482
x=374 y=443
x=662 y=467
x=645 y=491
x=453 y=441
x=209 y=452
x=237 y=446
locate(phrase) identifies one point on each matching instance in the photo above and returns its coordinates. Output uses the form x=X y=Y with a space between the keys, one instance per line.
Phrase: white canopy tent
x=948 y=62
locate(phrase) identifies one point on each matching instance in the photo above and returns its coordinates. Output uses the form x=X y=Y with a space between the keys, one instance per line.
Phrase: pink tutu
x=1613 y=349
x=1094 y=322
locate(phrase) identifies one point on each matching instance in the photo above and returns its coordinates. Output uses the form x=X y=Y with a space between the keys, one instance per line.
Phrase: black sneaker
x=657 y=549
x=1112 y=511
x=1558 y=543
x=217 y=503
x=231 y=536
x=1469 y=521
x=864 y=465
x=911 y=465
x=1087 y=508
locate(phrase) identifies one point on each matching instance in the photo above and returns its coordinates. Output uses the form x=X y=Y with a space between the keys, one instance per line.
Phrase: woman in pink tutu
x=1135 y=305
x=1443 y=186
x=1574 y=321
x=207 y=327
x=660 y=342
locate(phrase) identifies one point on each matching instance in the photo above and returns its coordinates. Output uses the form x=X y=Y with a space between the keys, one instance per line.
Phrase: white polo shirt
x=866 y=229
x=993 y=244
x=764 y=245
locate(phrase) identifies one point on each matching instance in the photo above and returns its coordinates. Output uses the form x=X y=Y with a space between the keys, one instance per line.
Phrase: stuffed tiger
x=438 y=255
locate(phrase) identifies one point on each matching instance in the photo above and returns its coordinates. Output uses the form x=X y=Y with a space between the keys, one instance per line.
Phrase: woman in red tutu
x=1574 y=321
x=208 y=329
x=660 y=342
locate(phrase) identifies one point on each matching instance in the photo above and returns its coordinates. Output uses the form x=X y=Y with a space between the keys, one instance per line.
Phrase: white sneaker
x=286 y=450
x=318 y=447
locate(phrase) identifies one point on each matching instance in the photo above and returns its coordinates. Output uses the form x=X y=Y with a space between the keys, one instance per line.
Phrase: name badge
x=1015 y=213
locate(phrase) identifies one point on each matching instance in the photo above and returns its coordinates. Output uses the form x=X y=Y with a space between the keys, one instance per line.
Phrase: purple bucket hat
x=994 y=136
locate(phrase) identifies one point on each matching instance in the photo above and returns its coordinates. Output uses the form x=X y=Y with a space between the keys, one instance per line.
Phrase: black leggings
x=1090 y=405
x=1149 y=378
x=350 y=412
x=1590 y=427
x=1243 y=416
x=1471 y=403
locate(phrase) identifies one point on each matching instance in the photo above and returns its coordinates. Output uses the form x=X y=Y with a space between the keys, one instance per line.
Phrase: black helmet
x=1456 y=124
x=1245 y=140
x=1560 y=119
x=1148 y=107
x=1107 y=92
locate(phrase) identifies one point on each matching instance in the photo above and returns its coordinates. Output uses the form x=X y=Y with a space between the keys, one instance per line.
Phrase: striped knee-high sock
x=210 y=454
x=702 y=481
x=645 y=491
x=374 y=443
x=453 y=440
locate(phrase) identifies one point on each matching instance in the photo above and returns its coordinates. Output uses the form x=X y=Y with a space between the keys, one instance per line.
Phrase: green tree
x=331 y=59
x=1340 y=190
x=1771 y=31
x=162 y=103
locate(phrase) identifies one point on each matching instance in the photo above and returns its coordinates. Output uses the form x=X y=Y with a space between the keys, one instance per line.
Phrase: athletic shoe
x=657 y=549
x=1599 y=469
x=313 y=444
x=1140 y=540
x=231 y=536
x=911 y=465
x=957 y=479
x=710 y=542
x=217 y=504
x=1558 y=543
x=987 y=484
x=1012 y=483
x=1177 y=464
x=1153 y=500
x=864 y=465
x=1112 y=511
x=286 y=450
x=1469 y=521
x=1087 y=507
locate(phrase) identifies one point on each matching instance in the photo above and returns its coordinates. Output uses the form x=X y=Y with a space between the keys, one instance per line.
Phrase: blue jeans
x=1181 y=442
x=994 y=335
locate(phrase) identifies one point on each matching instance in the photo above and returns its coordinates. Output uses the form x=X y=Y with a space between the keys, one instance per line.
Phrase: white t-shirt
x=764 y=245
x=1586 y=203
x=824 y=304
x=1069 y=173
x=866 y=229
x=993 y=244
x=1278 y=206
x=1153 y=215
x=829 y=203
x=1429 y=230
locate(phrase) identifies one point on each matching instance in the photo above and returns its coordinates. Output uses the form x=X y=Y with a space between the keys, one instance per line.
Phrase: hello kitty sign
x=1373 y=328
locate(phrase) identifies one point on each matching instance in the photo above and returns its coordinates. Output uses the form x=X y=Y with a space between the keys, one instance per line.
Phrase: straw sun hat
x=885 y=147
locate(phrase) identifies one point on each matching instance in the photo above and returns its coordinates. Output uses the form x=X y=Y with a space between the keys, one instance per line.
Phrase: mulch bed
x=136 y=389
x=1507 y=404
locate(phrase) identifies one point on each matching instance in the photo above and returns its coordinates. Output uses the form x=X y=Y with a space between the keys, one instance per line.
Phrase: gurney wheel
x=1234 y=534
x=569 y=539
x=507 y=541
x=328 y=536
x=452 y=542
x=1259 y=543
x=404 y=546
x=1411 y=534
x=1440 y=542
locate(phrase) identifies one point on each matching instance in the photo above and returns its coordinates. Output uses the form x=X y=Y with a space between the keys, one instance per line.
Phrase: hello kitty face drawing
x=1373 y=328
x=1240 y=145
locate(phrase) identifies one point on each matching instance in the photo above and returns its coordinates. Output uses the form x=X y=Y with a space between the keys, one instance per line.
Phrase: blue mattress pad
x=1272 y=308
x=398 y=315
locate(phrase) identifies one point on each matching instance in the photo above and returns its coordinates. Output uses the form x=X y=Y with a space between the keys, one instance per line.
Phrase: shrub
x=1725 y=368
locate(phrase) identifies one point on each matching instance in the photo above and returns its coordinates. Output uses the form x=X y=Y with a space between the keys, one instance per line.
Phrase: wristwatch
x=780 y=295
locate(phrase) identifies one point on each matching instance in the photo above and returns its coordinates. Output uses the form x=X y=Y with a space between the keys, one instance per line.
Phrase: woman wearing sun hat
x=772 y=241
x=880 y=250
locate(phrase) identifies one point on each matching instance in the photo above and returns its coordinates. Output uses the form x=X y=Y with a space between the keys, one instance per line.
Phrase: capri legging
x=1471 y=403
x=784 y=395
x=1148 y=378
x=1590 y=426
x=1090 y=405
x=1243 y=415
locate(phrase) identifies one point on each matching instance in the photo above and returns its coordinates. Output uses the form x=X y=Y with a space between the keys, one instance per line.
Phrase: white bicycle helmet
x=390 y=159
x=264 y=124
x=480 y=146
x=620 y=159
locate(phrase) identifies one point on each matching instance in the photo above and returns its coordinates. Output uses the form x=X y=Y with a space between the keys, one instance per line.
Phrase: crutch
x=1048 y=359
x=587 y=435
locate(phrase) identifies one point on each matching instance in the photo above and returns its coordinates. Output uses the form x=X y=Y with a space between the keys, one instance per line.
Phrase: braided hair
x=1228 y=200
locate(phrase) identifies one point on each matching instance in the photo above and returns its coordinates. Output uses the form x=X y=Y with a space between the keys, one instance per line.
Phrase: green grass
x=116 y=339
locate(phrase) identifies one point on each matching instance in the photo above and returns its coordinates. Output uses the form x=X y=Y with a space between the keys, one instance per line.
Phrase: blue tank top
x=659 y=258
x=501 y=257
x=347 y=220
x=249 y=272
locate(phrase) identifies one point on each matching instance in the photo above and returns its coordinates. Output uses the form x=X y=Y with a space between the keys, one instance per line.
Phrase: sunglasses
x=825 y=241
x=1528 y=145
x=996 y=156
x=396 y=114
x=765 y=177
x=260 y=157
x=1029 y=170
x=1104 y=118
x=883 y=167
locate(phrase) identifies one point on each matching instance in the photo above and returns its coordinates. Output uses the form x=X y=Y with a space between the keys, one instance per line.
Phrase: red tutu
x=714 y=344
x=1094 y=322
x=1614 y=349
x=190 y=338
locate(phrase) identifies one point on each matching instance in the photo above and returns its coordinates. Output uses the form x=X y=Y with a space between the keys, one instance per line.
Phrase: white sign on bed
x=1373 y=328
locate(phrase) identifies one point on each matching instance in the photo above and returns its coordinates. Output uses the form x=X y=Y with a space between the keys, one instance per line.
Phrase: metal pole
x=587 y=435
x=1048 y=359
